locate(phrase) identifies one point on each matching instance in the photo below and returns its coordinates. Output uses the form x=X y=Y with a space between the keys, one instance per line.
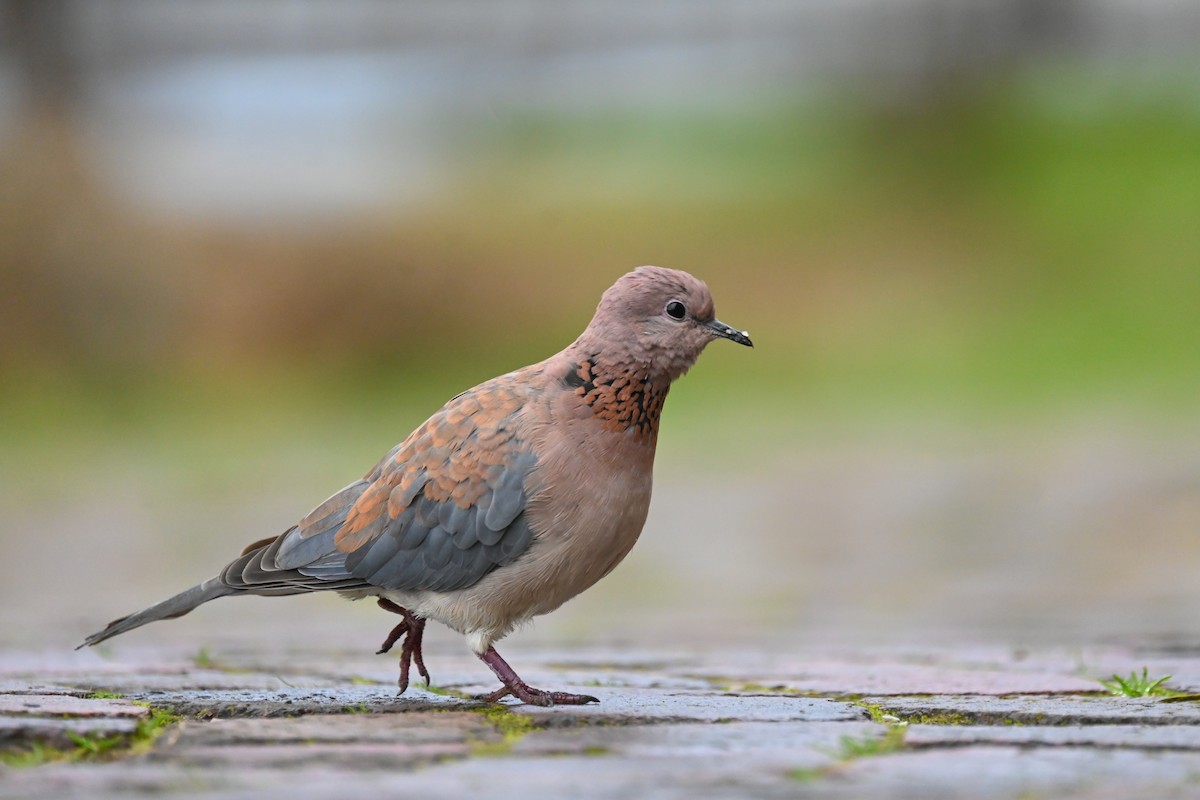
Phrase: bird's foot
x=412 y=628
x=513 y=685
x=537 y=697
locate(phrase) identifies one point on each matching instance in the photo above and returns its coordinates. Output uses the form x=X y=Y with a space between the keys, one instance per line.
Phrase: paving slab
x=788 y=745
x=608 y=778
x=776 y=723
x=971 y=670
x=349 y=741
x=990 y=771
x=1143 y=737
x=417 y=727
x=198 y=680
x=1039 y=710
x=653 y=706
x=289 y=701
x=54 y=719
x=68 y=705
x=19 y=730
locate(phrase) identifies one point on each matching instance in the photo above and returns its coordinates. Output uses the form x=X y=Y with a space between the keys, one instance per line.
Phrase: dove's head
x=658 y=319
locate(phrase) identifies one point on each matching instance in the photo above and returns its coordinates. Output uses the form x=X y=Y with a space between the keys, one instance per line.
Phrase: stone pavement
x=773 y=631
x=968 y=721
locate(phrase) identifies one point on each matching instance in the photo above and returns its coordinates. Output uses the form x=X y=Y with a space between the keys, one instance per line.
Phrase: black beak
x=718 y=328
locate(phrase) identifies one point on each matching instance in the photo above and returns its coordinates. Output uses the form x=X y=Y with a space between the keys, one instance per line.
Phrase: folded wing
x=441 y=511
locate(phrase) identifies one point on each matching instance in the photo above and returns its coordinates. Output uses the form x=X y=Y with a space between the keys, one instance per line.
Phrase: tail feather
x=310 y=566
x=170 y=608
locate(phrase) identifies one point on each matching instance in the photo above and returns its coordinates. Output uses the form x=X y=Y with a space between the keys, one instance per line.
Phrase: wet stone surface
x=1040 y=710
x=290 y=702
x=970 y=721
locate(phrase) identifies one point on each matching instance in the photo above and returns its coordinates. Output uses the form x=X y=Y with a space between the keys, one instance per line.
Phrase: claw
x=513 y=685
x=412 y=628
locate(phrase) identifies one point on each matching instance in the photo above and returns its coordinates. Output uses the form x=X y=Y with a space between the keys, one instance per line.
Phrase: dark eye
x=676 y=310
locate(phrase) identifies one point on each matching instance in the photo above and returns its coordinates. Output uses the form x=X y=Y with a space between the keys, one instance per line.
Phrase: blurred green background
x=246 y=247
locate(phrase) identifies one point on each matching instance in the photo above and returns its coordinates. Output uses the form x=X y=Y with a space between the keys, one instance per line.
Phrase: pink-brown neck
x=623 y=396
x=649 y=328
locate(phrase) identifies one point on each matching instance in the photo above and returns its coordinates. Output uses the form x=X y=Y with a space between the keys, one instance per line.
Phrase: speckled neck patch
x=620 y=398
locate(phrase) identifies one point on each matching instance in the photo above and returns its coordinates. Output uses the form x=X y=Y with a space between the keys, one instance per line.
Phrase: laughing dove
x=513 y=498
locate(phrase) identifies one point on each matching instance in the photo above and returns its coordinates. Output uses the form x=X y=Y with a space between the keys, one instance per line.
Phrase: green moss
x=749 y=687
x=852 y=748
x=105 y=696
x=1182 y=698
x=886 y=716
x=735 y=686
x=511 y=726
x=877 y=712
x=35 y=755
x=807 y=774
x=94 y=746
x=865 y=746
x=149 y=729
x=508 y=722
x=204 y=660
x=90 y=745
x=939 y=718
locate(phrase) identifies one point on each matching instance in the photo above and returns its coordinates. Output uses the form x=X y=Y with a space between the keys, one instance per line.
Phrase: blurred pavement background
x=246 y=246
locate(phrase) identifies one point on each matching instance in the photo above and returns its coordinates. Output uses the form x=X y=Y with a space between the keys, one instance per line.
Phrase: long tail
x=173 y=607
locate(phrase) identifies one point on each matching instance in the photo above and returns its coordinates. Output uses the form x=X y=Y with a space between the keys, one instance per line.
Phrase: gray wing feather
x=436 y=545
x=466 y=539
x=483 y=533
x=508 y=500
x=411 y=537
x=432 y=544
x=427 y=512
x=304 y=559
x=451 y=516
x=441 y=546
x=311 y=542
x=437 y=550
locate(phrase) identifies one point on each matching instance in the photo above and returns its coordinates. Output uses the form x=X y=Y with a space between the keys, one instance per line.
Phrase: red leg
x=392 y=638
x=410 y=651
x=521 y=690
x=413 y=630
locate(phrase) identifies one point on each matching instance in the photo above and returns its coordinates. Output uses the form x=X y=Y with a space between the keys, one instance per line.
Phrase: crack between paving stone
x=970 y=719
x=985 y=742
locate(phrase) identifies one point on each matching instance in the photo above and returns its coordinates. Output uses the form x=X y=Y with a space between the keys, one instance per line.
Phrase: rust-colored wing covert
x=443 y=509
x=447 y=506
